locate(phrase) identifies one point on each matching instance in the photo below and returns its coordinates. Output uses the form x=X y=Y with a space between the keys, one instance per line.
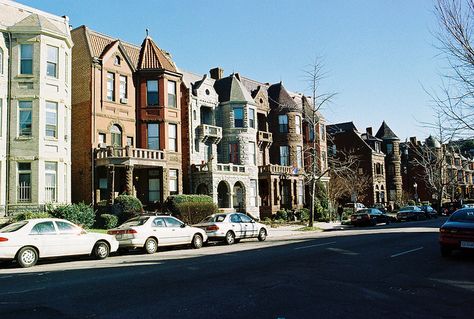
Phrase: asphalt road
x=390 y=271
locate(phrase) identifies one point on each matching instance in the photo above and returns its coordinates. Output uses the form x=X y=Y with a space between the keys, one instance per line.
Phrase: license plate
x=467 y=244
x=359 y=217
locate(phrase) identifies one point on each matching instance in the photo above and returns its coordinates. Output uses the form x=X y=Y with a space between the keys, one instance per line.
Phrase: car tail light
x=122 y=231
x=212 y=227
x=3 y=239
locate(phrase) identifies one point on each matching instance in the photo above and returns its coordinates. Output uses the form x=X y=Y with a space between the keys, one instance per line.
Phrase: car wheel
x=151 y=246
x=101 y=250
x=445 y=251
x=27 y=257
x=197 y=241
x=387 y=222
x=229 y=238
x=262 y=234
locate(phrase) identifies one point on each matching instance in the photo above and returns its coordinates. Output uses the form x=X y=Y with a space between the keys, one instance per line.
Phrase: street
x=393 y=271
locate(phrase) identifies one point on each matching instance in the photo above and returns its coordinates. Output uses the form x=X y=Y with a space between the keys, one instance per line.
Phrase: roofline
x=34 y=10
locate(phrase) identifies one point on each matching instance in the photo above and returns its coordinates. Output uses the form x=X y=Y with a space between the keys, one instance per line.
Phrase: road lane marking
x=317 y=245
x=343 y=251
x=406 y=252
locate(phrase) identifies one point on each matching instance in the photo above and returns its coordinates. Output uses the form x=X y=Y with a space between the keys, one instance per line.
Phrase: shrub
x=411 y=202
x=194 y=212
x=108 y=221
x=174 y=200
x=80 y=214
x=304 y=214
x=126 y=207
x=281 y=215
x=30 y=215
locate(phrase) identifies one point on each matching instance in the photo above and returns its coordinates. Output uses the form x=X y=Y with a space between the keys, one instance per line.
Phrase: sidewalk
x=289 y=230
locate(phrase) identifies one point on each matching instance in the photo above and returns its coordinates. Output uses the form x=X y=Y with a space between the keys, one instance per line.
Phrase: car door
x=74 y=240
x=248 y=226
x=160 y=231
x=236 y=225
x=176 y=231
x=45 y=237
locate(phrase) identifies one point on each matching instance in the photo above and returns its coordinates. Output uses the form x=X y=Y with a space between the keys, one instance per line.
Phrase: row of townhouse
x=85 y=117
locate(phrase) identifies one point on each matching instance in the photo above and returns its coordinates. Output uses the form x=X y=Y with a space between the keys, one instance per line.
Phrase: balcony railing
x=24 y=192
x=119 y=154
x=209 y=132
x=264 y=137
x=279 y=170
x=231 y=168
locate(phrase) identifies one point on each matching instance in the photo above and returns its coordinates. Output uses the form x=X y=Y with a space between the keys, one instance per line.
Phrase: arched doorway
x=202 y=189
x=223 y=195
x=239 y=197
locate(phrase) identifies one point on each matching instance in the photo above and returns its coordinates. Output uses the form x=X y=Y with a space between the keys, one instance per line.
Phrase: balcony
x=129 y=156
x=279 y=170
x=210 y=133
x=264 y=138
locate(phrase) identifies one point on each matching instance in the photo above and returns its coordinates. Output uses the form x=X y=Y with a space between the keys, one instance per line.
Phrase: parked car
x=410 y=213
x=232 y=227
x=354 y=207
x=149 y=232
x=448 y=208
x=28 y=240
x=429 y=211
x=369 y=216
x=457 y=232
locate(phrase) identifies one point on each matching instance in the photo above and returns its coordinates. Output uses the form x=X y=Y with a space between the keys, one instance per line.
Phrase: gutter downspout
x=7 y=135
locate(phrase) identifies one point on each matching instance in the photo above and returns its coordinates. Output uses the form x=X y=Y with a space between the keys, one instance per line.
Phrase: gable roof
x=280 y=98
x=385 y=133
x=152 y=57
x=341 y=127
x=231 y=89
x=36 y=22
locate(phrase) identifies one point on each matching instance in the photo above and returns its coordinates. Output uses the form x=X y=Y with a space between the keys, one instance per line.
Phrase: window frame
x=26 y=60
x=283 y=123
x=251 y=118
x=173 y=181
x=238 y=121
x=54 y=62
x=25 y=172
x=153 y=137
x=298 y=124
x=173 y=137
x=172 y=96
x=283 y=156
x=51 y=127
x=25 y=110
x=53 y=189
x=149 y=92
x=110 y=87
x=123 y=87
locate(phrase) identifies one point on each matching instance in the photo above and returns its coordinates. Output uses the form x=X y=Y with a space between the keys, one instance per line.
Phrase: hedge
x=30 y=215
x=194 y=212
x=80 y=214
x=126 y=207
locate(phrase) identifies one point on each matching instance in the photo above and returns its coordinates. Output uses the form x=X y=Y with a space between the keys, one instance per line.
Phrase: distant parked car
x=448 y=208
x=354 y=207
x=149 y=232
x=429 y=211
x=28 y=240
x=232 y=227
x=410 y=213
x=457 y=232
x=369 y=216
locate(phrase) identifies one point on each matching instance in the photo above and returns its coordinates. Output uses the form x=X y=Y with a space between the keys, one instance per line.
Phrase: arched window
x=116 y=133
x=117 y=60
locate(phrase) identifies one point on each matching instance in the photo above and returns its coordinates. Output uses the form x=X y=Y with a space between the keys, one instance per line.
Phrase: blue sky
x=379 y=55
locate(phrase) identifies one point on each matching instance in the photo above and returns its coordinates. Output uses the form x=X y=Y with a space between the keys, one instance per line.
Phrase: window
x=1 y=61
x=322 y=131
x=153 y=138
x=129 y=141
x=283 y=123
x=172 y=222
x=238 y=117
x=102 y=139
x=1 y=115
x=110 y=86
x=234 y=153
x=172 y=137
x=66 y=228
x=66 y=68
x=389 y=148
x=311 y=134
x=171 y=94
x=173 y=181
x=50 y=169
x=284 y=156
x=252 y=155
x=123 y=87
x=298 y=124
x=26 y=59
x=44 y=228
x=117 y=60
x=51 y=119
x=154 y=186
x=253 y=192
x=52 y=61
x=300 y=192
x=377 y=147
x=25 y=118
x=152 y=92
x=24 y=182
x=252 y=118
x=103 y=183
x=159 y=222
x=116 y=133
x=299 y=156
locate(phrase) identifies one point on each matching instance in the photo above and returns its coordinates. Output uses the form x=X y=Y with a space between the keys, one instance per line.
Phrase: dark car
x=429 y=211
x=369 y=216
x=450 y=207
x=457 y=232
x=410 y=213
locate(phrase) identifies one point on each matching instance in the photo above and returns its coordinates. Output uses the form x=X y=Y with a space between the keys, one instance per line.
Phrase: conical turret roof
x=386 y=133
x=152 y=57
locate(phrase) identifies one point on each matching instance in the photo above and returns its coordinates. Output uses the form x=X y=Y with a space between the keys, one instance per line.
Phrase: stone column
x=111 y=178
x=129 y=179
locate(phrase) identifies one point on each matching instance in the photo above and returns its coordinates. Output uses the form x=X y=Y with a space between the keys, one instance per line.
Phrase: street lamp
x=415 y=186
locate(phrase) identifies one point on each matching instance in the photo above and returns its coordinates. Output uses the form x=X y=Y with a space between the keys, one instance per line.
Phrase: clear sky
x=379 y=55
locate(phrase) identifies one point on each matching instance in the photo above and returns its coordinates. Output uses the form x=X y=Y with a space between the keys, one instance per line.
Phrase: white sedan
x=148 y=232
x=232 y=227
x=28 y=240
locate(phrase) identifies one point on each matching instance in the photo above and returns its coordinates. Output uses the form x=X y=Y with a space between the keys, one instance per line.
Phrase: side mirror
x=183 y=225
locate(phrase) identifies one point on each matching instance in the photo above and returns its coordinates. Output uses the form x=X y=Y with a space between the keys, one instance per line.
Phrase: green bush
x=174 y=200
x=194 y=212
x=411 y=202
x=108 y=221
x=304 y=214
x=80 y=214
x=30 y=215
x=126 y=207
x=281 y=215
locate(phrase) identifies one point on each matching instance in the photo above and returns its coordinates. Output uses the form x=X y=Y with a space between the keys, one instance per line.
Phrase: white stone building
x=35 y=108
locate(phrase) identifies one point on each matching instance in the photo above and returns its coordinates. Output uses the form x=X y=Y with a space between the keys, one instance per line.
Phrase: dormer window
x=117 y=60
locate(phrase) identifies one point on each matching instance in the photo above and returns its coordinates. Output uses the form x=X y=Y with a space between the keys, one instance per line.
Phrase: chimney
x=369 y=131
x=216 y=73
x=413 y=140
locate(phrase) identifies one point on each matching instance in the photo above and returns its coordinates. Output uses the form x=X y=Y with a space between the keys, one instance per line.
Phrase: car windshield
x=137 y=221
x=363 y=211
x=408 y=208
x=463 y=216
x=13 y=227
x=214 y=218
